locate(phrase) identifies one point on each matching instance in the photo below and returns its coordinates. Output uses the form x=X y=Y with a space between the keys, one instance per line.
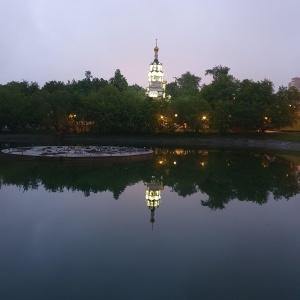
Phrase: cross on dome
x=156 y=48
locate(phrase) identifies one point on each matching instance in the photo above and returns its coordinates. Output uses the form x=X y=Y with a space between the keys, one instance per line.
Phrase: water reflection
x=67 y=246
x=221 y=175
x=153 y=197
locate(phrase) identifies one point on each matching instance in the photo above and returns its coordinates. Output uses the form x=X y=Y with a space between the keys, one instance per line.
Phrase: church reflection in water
x=153 y=196
x=220 y=175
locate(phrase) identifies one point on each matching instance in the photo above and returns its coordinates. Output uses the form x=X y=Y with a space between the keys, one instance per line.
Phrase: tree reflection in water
x=222 y=175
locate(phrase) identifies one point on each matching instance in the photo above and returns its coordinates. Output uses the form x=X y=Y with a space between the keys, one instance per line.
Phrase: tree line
x=112 y=106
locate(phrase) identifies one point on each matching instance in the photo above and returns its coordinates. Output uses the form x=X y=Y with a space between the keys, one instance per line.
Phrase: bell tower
x=156 y=84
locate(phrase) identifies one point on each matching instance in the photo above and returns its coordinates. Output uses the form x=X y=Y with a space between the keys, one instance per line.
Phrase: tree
x=223 y=88
x=138 y=89
x=217 y=71
x=188 y=114
x=221 y=116
x=88 y=84
x=251 y=109
x=188 y=84
x=284 y=109
x=14 y=109
x=57 y=106
x=171 y=89
x=53 y=86
x=119 y=81
x=88 y=75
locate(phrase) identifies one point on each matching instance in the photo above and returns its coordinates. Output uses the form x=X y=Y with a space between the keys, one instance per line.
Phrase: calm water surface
x=226 y=227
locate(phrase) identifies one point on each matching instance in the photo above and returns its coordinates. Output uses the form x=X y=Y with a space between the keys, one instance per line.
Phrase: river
x=216 y=224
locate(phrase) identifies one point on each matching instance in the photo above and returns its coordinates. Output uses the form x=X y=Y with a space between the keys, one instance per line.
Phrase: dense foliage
x=112 y=106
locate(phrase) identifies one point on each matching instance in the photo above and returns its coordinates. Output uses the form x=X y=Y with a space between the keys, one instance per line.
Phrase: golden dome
x=156 y=48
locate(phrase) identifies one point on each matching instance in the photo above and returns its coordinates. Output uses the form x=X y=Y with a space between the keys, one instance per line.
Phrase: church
x=156 y=83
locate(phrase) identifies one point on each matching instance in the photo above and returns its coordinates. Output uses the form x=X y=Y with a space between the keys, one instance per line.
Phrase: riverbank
x=227 y=141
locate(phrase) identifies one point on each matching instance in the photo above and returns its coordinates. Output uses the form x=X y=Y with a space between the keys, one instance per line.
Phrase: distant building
x=156 y=84
x=295 y=83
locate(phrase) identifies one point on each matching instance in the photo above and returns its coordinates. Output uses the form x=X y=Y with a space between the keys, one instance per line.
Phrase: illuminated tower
x=156 y=84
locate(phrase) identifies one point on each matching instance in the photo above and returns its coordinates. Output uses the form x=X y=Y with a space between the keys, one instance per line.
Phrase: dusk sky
x=44 y=40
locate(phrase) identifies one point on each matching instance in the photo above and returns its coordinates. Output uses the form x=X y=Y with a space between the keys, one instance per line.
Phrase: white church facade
x=156 y=83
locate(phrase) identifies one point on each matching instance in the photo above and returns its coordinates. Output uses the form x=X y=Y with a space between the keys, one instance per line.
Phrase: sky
x=44 y=40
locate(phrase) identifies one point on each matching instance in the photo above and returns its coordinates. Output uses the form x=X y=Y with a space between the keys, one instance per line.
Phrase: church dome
x=156 y=48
